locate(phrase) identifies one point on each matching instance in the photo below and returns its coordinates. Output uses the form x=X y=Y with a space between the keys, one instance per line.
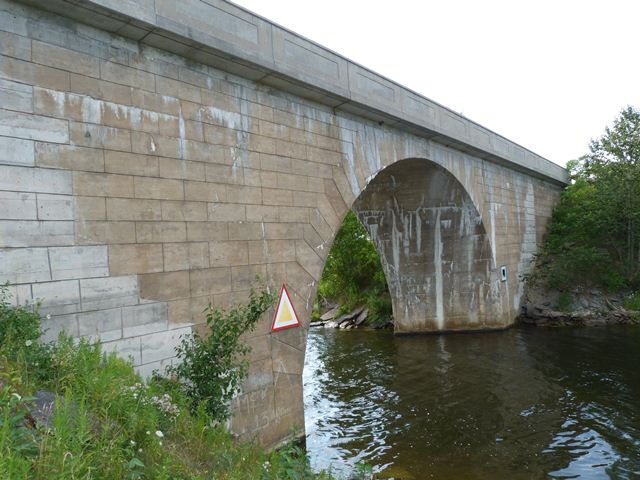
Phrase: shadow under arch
x=434 y=247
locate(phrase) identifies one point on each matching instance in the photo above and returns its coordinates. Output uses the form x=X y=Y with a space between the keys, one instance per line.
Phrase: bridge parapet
x=228 y=37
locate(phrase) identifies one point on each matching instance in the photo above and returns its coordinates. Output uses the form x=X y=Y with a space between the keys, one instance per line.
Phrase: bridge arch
x=434 y=247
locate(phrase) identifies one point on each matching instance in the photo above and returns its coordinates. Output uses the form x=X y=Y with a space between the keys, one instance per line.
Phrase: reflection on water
x=519 y=404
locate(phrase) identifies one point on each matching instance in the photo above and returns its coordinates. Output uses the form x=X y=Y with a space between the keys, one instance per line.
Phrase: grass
x=565 y=303
x=107 y=423
x=632 y=302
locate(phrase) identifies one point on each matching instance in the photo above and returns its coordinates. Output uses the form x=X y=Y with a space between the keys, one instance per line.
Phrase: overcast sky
x=547 y=74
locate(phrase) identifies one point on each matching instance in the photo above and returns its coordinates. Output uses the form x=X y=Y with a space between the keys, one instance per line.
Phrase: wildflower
x=159 y=434
x=148 y=432
x=133 y=442
x=28 y=343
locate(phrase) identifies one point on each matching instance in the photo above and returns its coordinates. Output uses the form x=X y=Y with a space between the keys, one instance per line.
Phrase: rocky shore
x=357 y=318
x=581 y=308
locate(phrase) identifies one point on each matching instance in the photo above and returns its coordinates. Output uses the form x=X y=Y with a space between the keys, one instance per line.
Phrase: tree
x=614 y=165
x=594 y=235
x=353 y=273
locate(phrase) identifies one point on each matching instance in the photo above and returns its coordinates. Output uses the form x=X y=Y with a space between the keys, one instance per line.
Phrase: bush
x=211 y=368
x=380 y=309
x=17 y=324
x=20 y=333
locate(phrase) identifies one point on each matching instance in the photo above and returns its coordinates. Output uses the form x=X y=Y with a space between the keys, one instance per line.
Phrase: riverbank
x=335 y=317
x=581 y=307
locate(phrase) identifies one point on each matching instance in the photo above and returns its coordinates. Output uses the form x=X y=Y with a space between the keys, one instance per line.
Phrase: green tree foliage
x=594 y=235
x=353 y=273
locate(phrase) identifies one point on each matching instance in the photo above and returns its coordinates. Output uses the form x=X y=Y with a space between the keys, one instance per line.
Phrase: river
x=524 y=403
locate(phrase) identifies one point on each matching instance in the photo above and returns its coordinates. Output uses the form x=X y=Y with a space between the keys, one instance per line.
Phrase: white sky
x=547 y=74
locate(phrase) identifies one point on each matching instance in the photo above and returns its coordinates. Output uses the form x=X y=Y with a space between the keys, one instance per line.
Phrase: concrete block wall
x=137 y=186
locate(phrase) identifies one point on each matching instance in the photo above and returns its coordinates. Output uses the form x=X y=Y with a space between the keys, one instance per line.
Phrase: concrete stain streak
x=437 y=260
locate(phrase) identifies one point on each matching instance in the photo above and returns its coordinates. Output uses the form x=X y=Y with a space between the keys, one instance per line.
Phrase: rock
x=332 y=324
x=344 y=318
x=330 y=314
x=584 y=316
x=380 y=326
x=318 y=323
x=346 y=321
x=362 y=316
x=327 y=304
x=42 y=409
x=396 y=473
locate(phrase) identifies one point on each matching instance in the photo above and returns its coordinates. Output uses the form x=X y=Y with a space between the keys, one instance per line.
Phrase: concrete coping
x=231 y=38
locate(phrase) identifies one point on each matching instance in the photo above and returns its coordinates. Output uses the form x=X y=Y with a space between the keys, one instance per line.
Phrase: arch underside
x=434 y=249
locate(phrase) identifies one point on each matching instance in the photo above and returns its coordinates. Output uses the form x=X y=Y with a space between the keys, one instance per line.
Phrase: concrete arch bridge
x=157 y=154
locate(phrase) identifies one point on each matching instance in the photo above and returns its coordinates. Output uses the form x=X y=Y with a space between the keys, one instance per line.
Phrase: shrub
x=380 y=309
x=20 y=333
x=17 y=324
x=211 y=368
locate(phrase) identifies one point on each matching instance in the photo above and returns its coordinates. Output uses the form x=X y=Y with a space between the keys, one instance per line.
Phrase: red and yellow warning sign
x=285 y=316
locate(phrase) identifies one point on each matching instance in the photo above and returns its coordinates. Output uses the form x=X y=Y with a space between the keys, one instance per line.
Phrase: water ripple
x=521 y=404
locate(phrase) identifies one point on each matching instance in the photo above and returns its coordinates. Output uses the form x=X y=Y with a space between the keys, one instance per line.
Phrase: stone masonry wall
x=136 y=187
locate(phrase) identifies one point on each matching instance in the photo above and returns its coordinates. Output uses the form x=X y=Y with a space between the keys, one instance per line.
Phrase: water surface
x=518 y=404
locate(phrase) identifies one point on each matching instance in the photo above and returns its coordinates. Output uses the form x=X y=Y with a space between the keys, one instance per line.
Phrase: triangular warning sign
x=285 y=316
